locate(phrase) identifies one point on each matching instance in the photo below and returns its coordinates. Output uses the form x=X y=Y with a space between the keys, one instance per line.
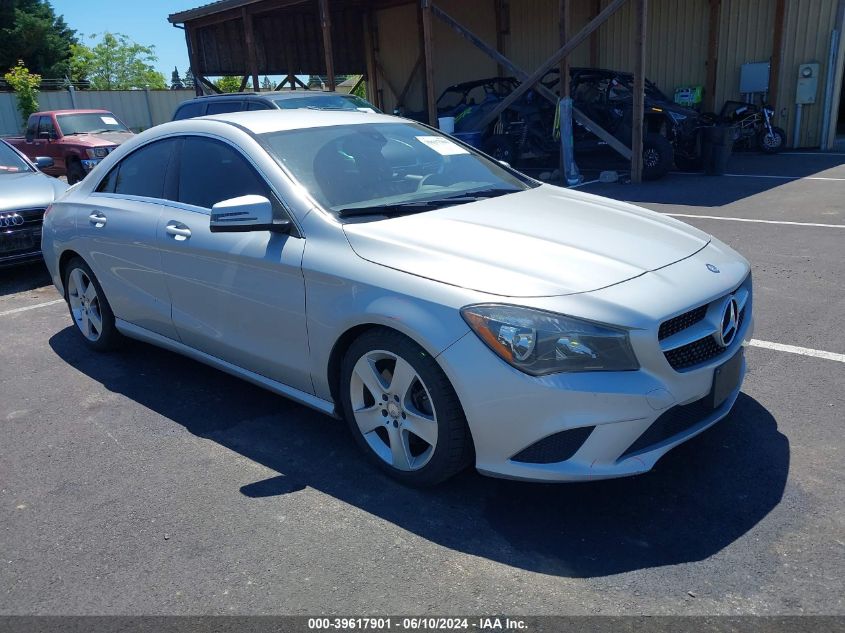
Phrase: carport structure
x=411 y=50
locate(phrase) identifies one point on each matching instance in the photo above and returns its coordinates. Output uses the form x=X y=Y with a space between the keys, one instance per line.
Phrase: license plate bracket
x=726 y=379
x=17 y=241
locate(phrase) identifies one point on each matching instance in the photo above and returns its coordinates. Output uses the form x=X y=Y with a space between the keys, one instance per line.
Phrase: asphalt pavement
x=141 y=482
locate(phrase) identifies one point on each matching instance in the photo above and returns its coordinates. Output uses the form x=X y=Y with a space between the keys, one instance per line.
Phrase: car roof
x=264 y=121
x=288 y=94
x=72 y=111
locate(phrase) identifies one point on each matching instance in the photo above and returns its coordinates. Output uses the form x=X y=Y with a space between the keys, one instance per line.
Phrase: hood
x=28 y=190
x=101 y=139
x=545 y=241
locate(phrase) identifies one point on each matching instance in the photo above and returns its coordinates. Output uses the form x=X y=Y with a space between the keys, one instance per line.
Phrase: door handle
x=97 y=219
x=177 y=230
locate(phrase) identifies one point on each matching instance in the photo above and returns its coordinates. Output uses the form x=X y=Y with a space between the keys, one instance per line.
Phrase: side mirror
x=246 y=213
x=43 y=162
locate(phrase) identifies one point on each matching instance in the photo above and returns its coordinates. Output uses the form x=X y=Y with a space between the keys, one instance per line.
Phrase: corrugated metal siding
x=745 y=35
x=399 y=48
x=807 y=28
x=132 y=106
x=455 y=59
x=676 y=48
x=534 y=32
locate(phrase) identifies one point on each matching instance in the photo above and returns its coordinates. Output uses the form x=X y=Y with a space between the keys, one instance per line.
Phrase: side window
x=211 y=171
x=229 y=105
x=107 y=184
x=142 y=173
x=45 y=124
x=31 y=127
x=188 y=110
x=258 y=105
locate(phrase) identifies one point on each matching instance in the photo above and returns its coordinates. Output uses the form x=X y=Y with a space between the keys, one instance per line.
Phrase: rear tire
x=75 y=173
x=89 y=308
x=402 y=410
x=658 y=156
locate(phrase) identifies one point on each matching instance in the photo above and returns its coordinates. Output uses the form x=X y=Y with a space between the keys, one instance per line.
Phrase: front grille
x=31 y=217
x=681 y=322
x=554 y=448
x=700 y=351
x=673 y=422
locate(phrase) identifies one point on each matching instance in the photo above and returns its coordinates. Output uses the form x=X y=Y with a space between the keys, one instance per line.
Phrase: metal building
x=411 y=49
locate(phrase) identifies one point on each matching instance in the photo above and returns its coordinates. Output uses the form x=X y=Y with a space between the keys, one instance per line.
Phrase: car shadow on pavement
x=699 y=499
x=699 y=190
x=23 y=278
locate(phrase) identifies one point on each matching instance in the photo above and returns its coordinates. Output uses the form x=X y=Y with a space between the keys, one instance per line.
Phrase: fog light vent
x=554 y=448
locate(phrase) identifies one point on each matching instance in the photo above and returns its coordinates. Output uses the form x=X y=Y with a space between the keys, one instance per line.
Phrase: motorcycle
x=752 y=126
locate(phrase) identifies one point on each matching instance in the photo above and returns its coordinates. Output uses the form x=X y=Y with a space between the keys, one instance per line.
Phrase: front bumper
x=511 y=413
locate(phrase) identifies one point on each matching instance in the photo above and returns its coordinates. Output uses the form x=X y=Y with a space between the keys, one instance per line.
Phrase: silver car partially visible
x=25 y=193
x=449 y=308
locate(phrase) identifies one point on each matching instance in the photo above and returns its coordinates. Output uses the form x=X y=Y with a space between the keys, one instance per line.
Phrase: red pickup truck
x=76 y=140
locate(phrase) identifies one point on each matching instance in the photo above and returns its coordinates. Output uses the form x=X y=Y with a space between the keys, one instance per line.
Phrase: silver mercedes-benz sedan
x=451 y=309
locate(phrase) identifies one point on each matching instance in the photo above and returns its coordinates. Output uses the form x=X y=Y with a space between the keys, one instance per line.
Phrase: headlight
x=97 y=152
x=540 y=343
x=677 y=117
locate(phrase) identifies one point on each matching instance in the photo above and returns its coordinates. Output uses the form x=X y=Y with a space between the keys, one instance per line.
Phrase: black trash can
x=716 y=147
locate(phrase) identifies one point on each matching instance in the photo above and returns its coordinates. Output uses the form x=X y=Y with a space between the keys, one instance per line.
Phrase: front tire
x=89 y=308
x=772 y=143
x=402 y=410
x=75 y=173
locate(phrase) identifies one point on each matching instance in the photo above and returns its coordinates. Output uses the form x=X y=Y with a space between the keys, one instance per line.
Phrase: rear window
x=188 y=110
x=219 y=107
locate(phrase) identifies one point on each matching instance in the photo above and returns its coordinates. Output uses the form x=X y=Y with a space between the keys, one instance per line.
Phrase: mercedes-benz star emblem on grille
x=730 y=323
x=712 y=268
x=11 y=219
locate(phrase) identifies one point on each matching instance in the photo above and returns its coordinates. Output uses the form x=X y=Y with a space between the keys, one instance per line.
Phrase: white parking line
x=32 y=307
x=721 y=217
x=698 y=173
x=804 y=351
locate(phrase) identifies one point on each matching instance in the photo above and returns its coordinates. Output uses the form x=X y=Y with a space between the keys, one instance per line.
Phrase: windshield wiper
x=492 y=192
x=405 y=208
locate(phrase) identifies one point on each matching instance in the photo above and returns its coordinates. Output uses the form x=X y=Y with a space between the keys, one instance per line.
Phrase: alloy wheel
x=85 y=304
x=394 y=410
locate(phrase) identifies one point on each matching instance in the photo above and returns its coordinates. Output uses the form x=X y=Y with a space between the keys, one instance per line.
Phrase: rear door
x=118 y=228
x=239 y=297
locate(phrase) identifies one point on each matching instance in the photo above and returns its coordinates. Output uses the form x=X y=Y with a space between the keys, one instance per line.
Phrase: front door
x=239 y=297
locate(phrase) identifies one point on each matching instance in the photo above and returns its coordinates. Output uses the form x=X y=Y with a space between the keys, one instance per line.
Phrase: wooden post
x=713 y=25
x=594 y=36
x=244 y=81
x=500 y=36
x=370 y=41
x=251 y=54
x=641 y=9
x=431 y=98
x=326 y=23
x=192 y=60
x=547 y=65
x=777 y=53
x=564 y=21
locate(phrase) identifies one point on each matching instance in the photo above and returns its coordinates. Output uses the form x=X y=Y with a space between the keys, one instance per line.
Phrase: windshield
x=11 y=162
x=89 y=123
x=377 y=167
x=326 y=102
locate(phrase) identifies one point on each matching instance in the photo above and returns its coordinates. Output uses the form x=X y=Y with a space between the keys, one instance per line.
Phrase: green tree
x=31 y=31
x=116 y=63
x=228 y=84
x=25 y=84
x=189 y=79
